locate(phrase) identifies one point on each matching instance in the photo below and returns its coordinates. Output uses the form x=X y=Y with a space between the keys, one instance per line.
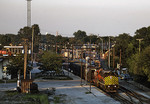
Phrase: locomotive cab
x=111 y=82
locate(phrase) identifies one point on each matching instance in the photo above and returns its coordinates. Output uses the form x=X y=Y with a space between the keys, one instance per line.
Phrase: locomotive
x=106 y=79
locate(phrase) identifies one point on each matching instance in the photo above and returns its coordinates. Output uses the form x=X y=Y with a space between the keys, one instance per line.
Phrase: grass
x=41 y=98
x=58 y=78
x=26 y=98
x=11 y=93
x=8 y=81
x=1 y=81
x=56 y=99
x=88 y=92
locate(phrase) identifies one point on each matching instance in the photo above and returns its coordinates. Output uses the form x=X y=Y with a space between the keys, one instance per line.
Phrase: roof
x=13 y=46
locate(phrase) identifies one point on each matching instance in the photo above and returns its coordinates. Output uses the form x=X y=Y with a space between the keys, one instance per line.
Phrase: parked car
x=126 y=77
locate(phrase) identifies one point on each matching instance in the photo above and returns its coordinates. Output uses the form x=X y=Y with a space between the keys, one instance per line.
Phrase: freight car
x=75 y=68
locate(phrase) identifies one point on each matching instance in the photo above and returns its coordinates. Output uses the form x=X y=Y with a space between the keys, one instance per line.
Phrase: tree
x=143 y=33
x=26 y=33
x=37 y=37
x=16 y=64
x=51 y=61
x=122 y=42
x=80 y=34
x=5 y=40
x=90 y=39
x=145 y=62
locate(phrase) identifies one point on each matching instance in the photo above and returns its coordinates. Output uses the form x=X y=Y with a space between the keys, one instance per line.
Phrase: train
x=102 y=78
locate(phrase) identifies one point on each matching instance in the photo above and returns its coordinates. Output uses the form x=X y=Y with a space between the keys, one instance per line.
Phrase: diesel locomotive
x=106 y=79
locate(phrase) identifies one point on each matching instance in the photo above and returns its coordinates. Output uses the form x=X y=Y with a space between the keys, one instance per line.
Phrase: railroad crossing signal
x=118 y=66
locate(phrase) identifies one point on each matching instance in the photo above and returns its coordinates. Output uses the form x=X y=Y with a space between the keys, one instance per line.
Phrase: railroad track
x=120 y=98
x=134 y=97
x=116 y=96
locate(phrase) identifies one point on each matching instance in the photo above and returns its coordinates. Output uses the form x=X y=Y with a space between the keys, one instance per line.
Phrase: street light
x=102 y=43
x=68 y=59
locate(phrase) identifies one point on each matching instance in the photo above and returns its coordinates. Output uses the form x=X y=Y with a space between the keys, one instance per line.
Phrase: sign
x=4 y=68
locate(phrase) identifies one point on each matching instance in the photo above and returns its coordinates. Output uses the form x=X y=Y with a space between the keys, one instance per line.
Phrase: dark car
x=126 y=77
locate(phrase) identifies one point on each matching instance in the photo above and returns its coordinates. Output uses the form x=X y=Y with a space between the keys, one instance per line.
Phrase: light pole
x=81 y=64
x=25 y=57
x=32 y=45
x=102 y=43
x=68 y=58
x=139 y=44
x=109 y=54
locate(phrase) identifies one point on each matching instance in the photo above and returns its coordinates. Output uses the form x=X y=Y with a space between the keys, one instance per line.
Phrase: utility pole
x=102 y=44
x=109 y=54
x=90 y=70
x=139 y=44
x=68 y=59
x=113 y=57
x=120 y=61
x=56 y=41
x=72 y=51
x=81 y=65
x=25 y=57
x=32 y=45
x=56 y=47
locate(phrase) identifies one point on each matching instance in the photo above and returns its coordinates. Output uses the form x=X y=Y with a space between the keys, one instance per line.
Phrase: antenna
x=29 y=13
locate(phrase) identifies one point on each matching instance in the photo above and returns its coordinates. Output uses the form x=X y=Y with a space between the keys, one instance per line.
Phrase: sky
x=103 y=17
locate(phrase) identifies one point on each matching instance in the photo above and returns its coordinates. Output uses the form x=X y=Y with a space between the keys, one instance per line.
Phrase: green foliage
x=37 y=38
x=51 y=61
x=43 y=98
x=26 y=33
x=123 y=42
x=80 y=34
x=145 y=62
x=90 y=39
x=16 y=64
x=56 y=99
x=143 y=33
x=139 y=65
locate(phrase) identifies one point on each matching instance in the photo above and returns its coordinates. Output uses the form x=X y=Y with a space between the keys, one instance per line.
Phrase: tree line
x=137 y=62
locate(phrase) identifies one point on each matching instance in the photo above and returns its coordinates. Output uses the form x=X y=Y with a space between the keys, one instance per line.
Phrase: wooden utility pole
x=32 y=45
x=25 y=57
x=109 y=54
x=68 y=59
x=56 y=47
x=72 y=51
x=81 y=64
x=90 y=69
x=56 y=41
x=120 y=61
x=113 y=57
